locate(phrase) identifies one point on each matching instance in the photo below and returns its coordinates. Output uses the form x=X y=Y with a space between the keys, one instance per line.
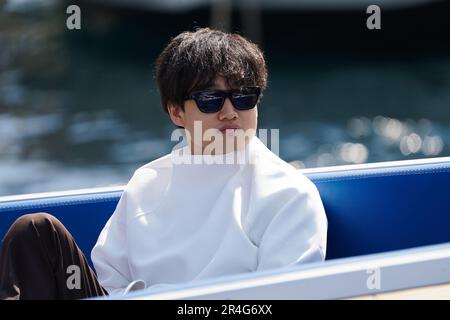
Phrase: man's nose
x=227 y=111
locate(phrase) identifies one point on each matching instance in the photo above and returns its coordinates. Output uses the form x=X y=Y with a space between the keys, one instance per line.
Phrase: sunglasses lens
x=246 y=99
x=212 y=101
x=209 y=103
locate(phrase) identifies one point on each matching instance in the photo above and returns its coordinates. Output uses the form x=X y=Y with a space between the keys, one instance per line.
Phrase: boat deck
x=438 y=292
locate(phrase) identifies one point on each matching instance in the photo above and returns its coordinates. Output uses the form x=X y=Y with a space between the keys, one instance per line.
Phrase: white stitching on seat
x=58 y=203
x=378 y=175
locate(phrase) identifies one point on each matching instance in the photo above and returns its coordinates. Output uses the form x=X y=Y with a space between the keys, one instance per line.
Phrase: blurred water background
x=80 y=108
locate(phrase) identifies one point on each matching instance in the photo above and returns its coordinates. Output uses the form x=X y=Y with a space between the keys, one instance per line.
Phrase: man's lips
x=231 y=127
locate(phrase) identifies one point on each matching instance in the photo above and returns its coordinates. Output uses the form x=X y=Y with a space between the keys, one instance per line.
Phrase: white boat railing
x=333 y=279
x=328 y=169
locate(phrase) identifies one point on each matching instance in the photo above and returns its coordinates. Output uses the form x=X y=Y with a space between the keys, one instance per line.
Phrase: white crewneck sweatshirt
x=180 y=222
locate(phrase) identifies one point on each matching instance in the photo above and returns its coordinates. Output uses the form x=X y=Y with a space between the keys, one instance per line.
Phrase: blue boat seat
x=369 y=210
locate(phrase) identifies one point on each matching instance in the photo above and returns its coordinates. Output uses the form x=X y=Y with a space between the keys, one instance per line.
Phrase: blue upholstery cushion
x=385 y=209
x=83 y=215
x=368 y=210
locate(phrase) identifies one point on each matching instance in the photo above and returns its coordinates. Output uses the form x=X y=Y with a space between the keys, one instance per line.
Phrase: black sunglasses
x=210 y=101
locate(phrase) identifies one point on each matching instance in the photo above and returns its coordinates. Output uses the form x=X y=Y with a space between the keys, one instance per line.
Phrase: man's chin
x=231 y=144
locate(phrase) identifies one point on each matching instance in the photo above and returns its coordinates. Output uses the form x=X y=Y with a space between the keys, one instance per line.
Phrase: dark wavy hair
x=192 y=61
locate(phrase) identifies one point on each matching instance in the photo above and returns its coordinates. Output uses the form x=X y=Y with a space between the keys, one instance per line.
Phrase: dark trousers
x=40 y=260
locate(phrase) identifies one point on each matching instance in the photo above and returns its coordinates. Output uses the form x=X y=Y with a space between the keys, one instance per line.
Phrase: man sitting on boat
x=222 y=204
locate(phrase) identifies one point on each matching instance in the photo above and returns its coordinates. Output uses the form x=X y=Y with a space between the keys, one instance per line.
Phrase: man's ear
x=176 y=114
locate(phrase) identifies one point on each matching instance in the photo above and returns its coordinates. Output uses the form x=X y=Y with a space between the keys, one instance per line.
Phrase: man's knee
x=35 y=219
x=29 y=223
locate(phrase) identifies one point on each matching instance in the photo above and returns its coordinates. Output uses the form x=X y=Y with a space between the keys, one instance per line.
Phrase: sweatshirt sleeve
x=109 y=254
x=297 y=233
